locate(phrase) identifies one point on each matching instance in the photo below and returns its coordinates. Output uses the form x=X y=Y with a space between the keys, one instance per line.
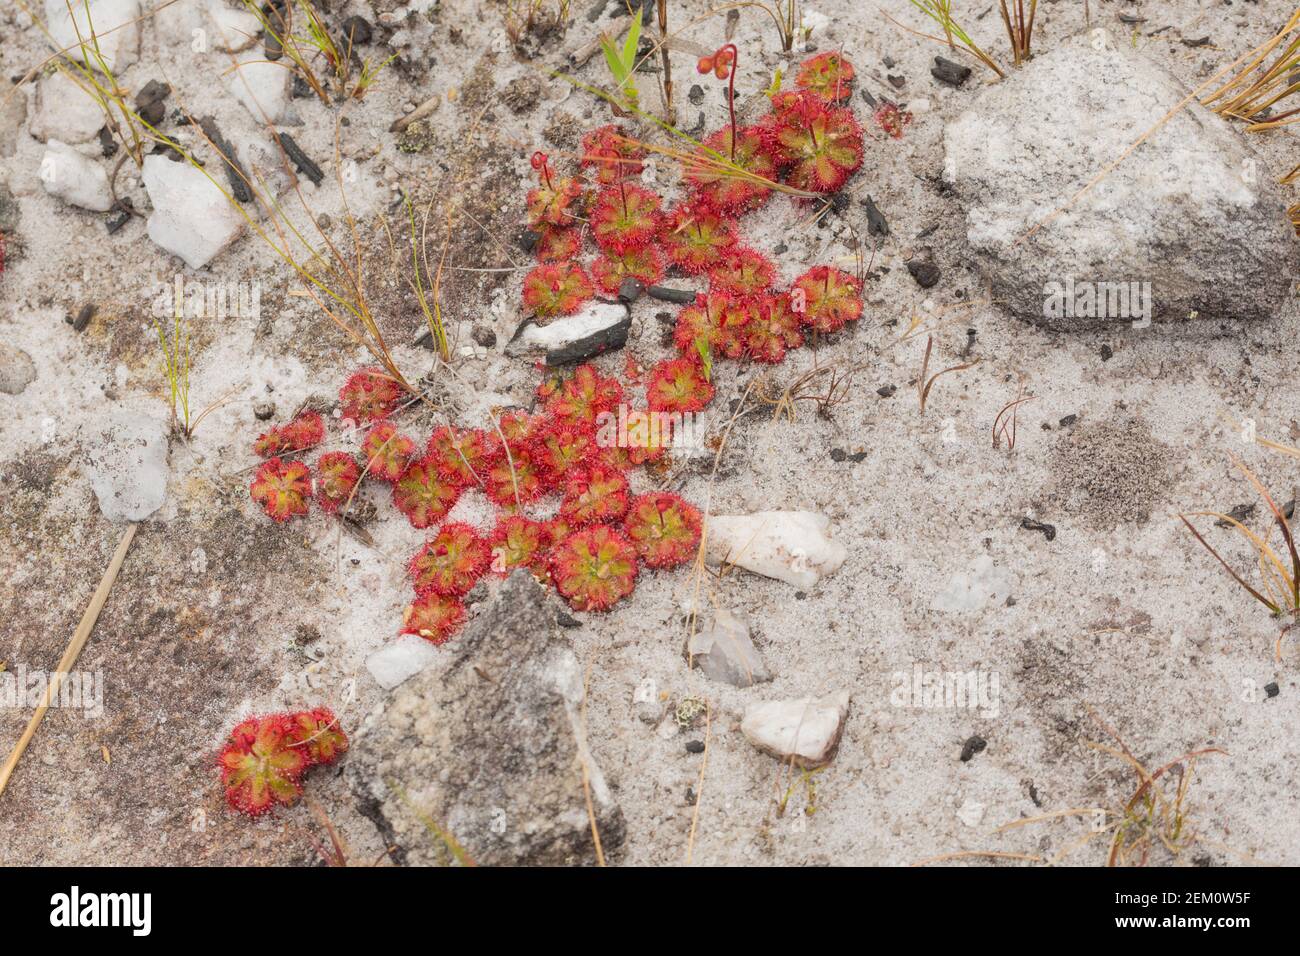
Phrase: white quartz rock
x=262 y=86
x=596 y=321
x=235 y=30
x=804 y=731
x=724 y=651
x=191 y=218
x=110 y=33
x=791 y=546
x=75 y=178
x=64 y=111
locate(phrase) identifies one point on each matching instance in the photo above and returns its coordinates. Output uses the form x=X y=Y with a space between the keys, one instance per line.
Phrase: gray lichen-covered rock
x=1190 y=225
x=492 y=750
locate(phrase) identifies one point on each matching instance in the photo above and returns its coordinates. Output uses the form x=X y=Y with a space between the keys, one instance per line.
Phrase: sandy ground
x=1120 y=612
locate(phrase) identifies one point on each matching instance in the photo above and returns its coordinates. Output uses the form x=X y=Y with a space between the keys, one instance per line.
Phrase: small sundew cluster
x=809 y=140
x=556 y=461
x=263 y=761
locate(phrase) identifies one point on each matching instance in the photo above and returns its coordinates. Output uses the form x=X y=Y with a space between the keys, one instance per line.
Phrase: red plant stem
x=622 y=192
x=731 y=94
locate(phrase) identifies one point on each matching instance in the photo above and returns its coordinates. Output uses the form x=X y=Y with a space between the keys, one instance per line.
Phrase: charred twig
x=235 y=173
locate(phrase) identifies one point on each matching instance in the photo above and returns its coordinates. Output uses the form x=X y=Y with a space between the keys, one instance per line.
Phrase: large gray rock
x=491 y=750
x=1192 y=211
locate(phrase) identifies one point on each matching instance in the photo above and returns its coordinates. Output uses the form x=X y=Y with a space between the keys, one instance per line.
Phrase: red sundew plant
x=742 y=272
x=550 y=385
x=305 y=431
x=563 y=448
x=555 y=201
x=663 y=528
x=369 y=395
x=264 y=759
x=624 y=218
x=701 y=324
x=646 y=439
x=891 y=119
x=736 y=315
x=611 y=155
x=772 y=329
x=258 y=767
x=556 y=289
x=696 y=235
x=519 y=542
x=317 y=734
x=829 y=75
x=337 y=475
x=678 y=385
x=520 y=428
x=753 y=150
x=822 y=145
x=434 y=617
x=594 y=495
x=557 y=529
x=452 y=562
x=387 y=453
x=282 y=488
x=557 y=244
x=424 y=494
x=830 y=298
x=516 y=479
x=462 y=457
x=611 y=268
x=594 y=569
x=584 y=396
